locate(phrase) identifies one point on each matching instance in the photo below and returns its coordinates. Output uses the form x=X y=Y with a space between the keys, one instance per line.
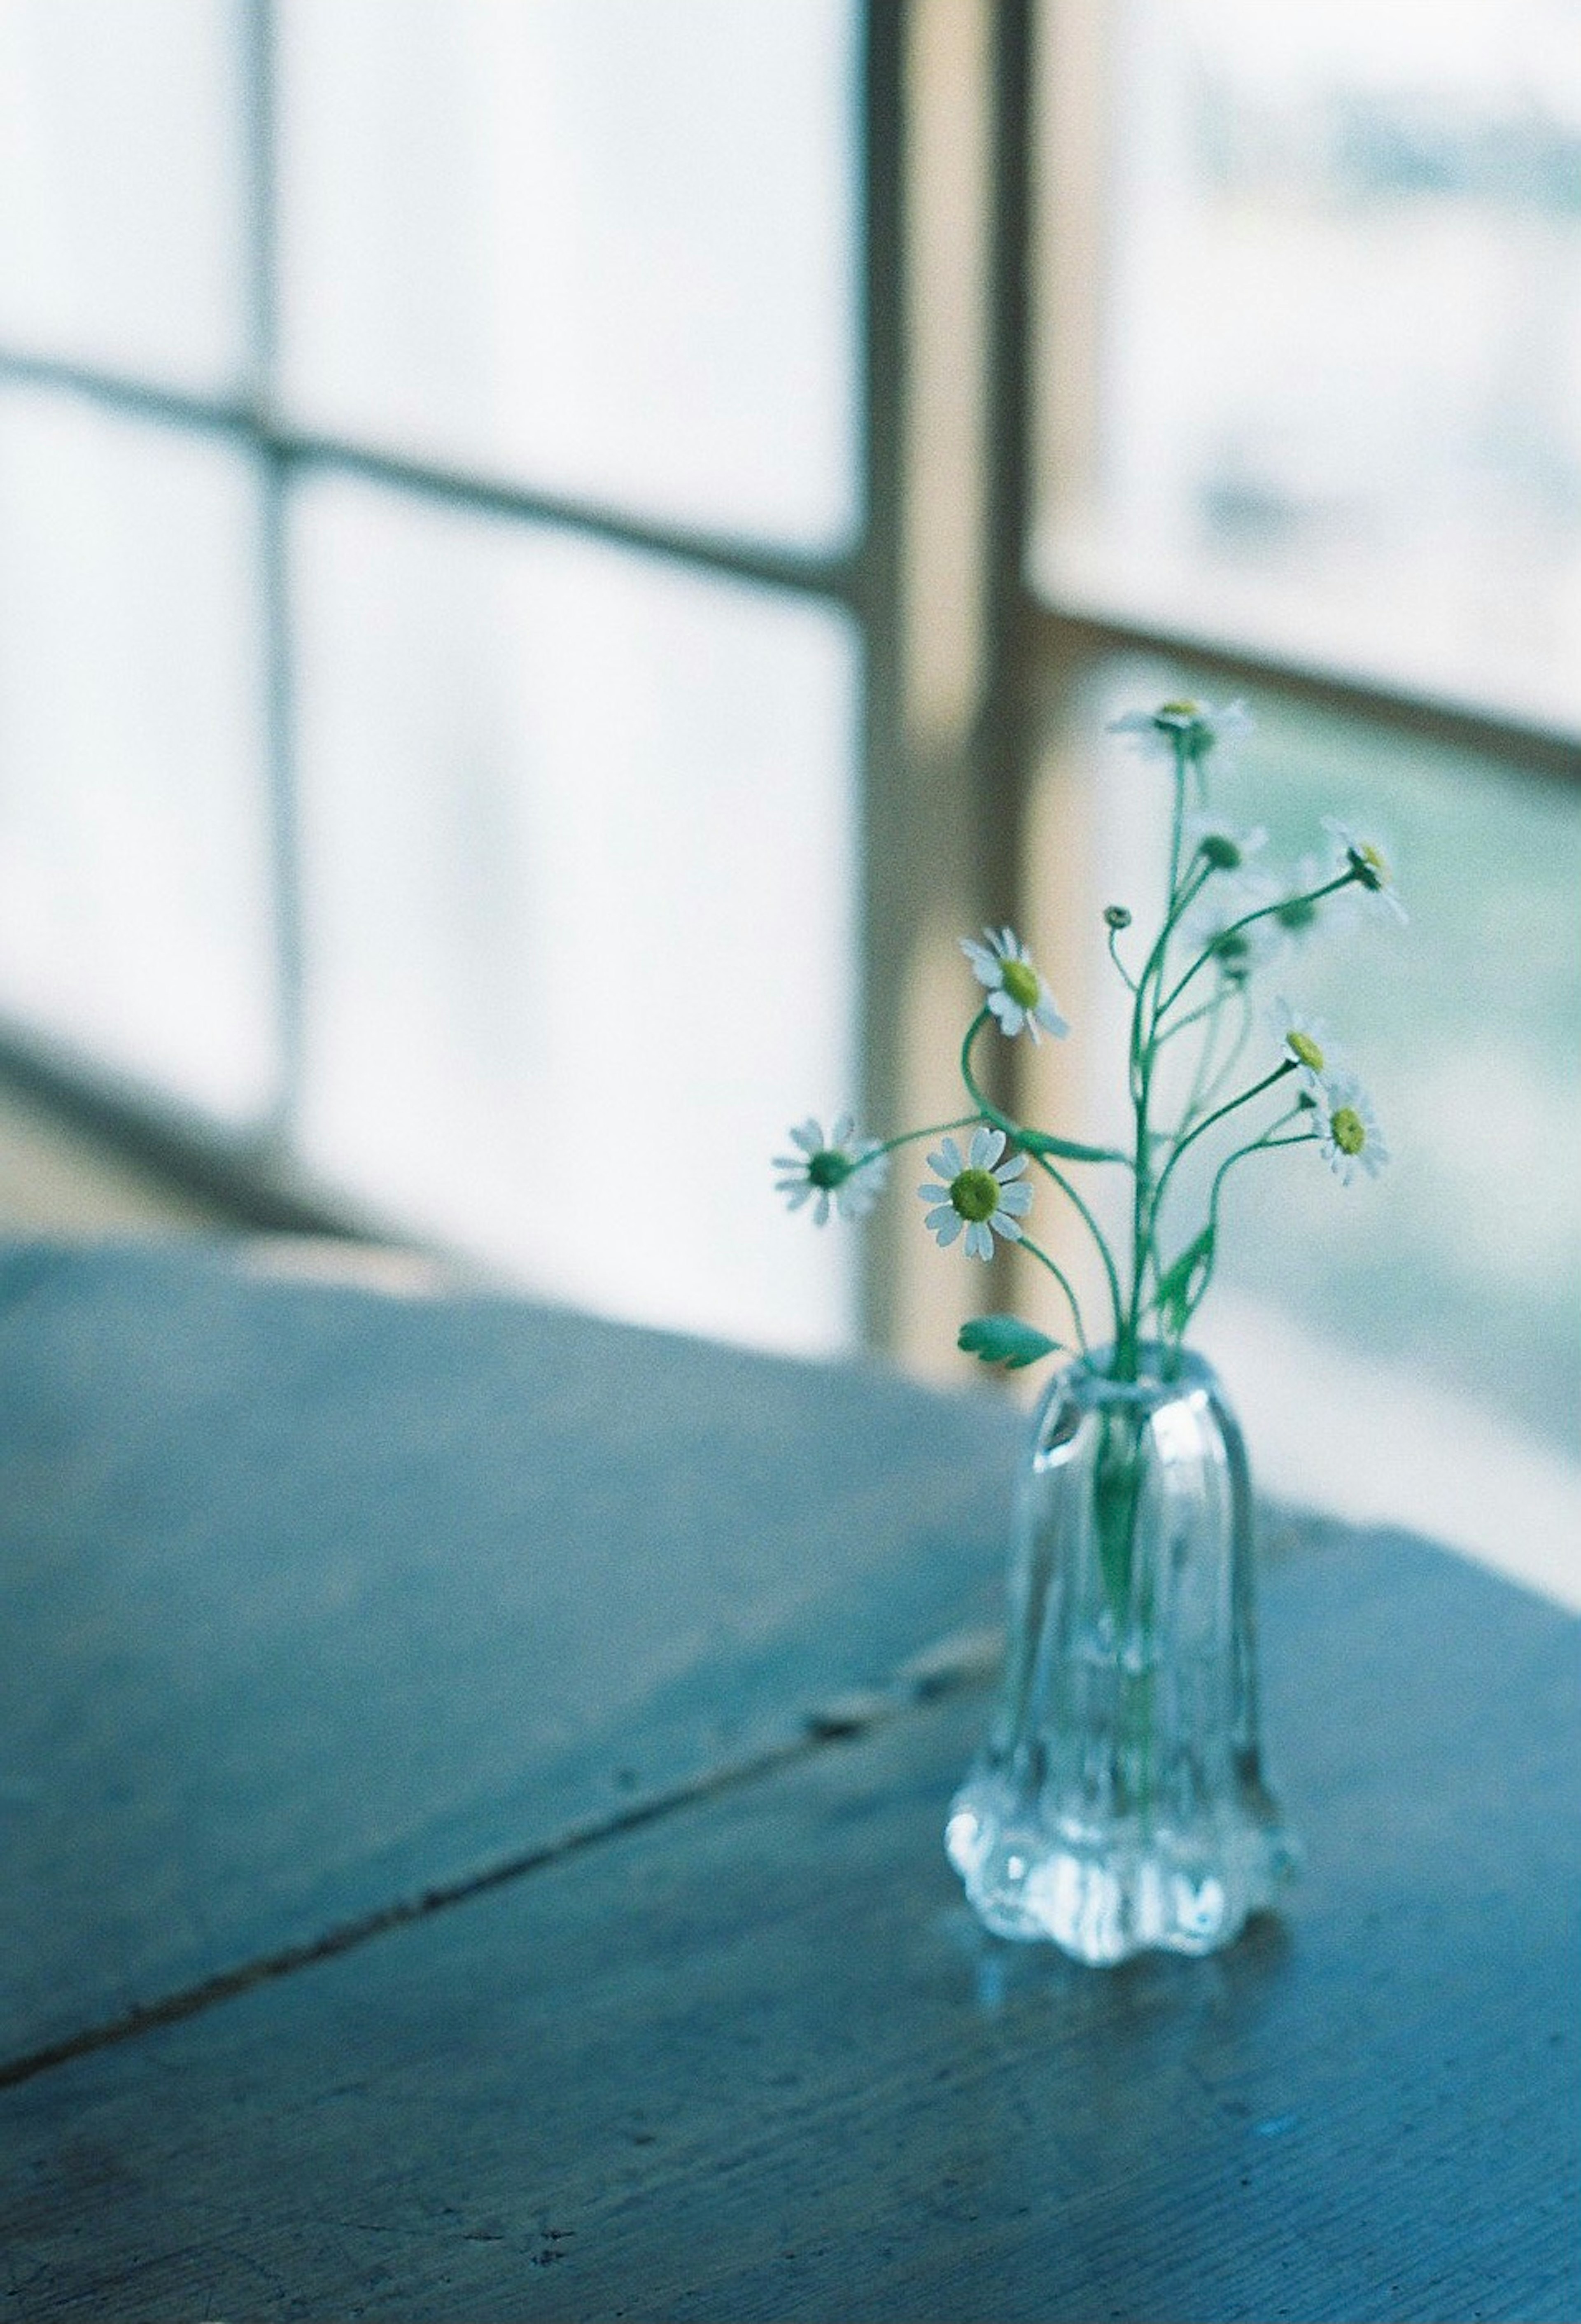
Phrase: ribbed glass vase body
x=1120 y=1803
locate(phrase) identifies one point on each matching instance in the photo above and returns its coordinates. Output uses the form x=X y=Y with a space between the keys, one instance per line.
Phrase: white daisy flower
x=842 y=1168
x=1367 y=864
x=1348 y=1128
x=1307 y=1044
x=1297 y=916
x=1223 y=846
x=1203 y=726
x=1209 y=925
x=1017 y=995
x=972 y=1193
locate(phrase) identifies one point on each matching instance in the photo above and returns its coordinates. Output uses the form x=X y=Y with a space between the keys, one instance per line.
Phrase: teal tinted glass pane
x=1335 y=334
x=1464 y=1260
x=599 y=247
x=578 y=829
x=1405 y=1346
x=123 y=184
x=134 y=858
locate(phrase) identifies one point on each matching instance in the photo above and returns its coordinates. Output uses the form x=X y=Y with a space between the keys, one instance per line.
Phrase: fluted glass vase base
x=1103 y=1895
x=1120 y=1804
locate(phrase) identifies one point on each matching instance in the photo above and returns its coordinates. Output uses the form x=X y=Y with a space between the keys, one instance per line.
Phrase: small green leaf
x=1183 y=1279
x=1039 y=1141
x=1004 y=1340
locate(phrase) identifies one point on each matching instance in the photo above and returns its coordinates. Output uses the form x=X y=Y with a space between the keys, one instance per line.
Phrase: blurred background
x=556 y=554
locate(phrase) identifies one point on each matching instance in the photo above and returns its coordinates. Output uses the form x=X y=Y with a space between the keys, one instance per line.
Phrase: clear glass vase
x=1120 y=1803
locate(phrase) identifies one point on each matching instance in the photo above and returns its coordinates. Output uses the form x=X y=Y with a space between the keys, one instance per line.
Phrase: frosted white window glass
x=604 y=248
x=1336 y=387
x=134 y=912
x=122 y=187
x=577 y=829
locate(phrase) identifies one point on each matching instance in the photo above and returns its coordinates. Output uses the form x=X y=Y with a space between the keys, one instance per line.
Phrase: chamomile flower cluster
x=1346 y=1121
x=841 y=1170
x=979 y=1194
x=1017 y=995
x=1185 y=729
x=1256 y=1084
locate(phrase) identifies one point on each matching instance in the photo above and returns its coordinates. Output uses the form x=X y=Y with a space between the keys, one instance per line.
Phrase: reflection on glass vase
x=1120 y=1803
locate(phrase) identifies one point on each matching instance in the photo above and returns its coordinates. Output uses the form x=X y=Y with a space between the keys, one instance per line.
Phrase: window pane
x=122 y=185
x=1328 y=318
x=602 y=248
x=134 y=914
x=578 y=831
x=1405 y=1346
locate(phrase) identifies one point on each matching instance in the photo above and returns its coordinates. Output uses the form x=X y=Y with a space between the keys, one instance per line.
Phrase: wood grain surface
x=755 y=2060
x=338 y=1599
x=295 y=1631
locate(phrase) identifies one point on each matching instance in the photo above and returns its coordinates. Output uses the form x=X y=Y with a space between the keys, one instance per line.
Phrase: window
x=1307 y=428
x=438 y=563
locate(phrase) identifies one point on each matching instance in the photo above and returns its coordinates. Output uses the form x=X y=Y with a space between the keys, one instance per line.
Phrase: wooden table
x=472 y=1781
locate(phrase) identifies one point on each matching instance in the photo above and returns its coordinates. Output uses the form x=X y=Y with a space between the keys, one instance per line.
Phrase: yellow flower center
x=1349 y=1130
x=1019 y=979
x=829 y=1168
x=1304 y=1050
x=1370 y=864
x=1185 y=709
x=975 y=1195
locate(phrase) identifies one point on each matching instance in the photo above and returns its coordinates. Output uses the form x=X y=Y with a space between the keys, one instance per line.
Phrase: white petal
x=1016 y=1201
x=950 y=1229
x=980 y=1243
x=809 y=1136
x=987 y=1146
x=1013 y=1169
x=1006 y=1226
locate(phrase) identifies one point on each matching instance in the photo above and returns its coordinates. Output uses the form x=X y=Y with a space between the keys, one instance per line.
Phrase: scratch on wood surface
x=958 y=1660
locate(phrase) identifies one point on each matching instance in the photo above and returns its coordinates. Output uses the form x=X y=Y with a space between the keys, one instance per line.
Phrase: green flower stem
x=1145 y=1045
x=1232 y=1105
x=1266 y=1144
x=1180 y=900
x=1177 y=820
x=1126 y=979
x=1059 y=1276
x=1184 y=1024
x=1263 y=912
x=1211 y=1071
x=1012 y=1130
x=910 y=1137
x=1225 y=1068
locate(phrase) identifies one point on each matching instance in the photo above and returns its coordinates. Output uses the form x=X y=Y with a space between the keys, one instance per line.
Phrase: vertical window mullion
x=275 y=644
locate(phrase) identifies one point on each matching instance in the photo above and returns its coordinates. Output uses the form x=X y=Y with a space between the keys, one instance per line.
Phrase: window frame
x=1023 y=653
x=251 y=1174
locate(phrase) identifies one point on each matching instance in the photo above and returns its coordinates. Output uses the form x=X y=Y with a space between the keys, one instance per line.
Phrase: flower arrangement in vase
x=1120 y=1802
